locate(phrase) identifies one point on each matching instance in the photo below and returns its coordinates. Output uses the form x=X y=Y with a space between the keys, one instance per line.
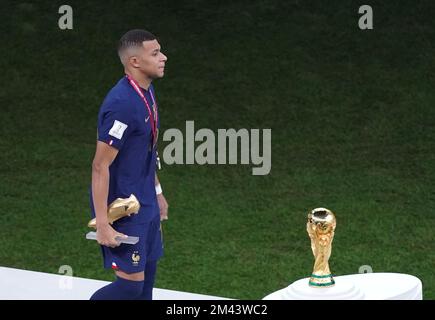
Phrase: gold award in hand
x=320 y=227
x=118 y=209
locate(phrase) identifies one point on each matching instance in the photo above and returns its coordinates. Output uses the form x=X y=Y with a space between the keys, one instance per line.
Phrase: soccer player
x=125 y=163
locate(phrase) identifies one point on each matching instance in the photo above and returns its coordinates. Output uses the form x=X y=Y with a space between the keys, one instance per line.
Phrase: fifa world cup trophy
x=320 y=227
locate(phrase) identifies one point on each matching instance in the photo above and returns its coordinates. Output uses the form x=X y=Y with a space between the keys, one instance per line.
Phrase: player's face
x=152 y=60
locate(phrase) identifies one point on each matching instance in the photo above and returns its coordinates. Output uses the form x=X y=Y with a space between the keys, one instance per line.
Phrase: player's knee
x=131 y=289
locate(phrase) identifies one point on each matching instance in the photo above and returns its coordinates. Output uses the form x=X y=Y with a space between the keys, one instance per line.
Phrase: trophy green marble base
x=323 y=281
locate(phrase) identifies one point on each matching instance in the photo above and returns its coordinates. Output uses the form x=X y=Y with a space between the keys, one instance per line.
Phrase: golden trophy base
x=118 y=209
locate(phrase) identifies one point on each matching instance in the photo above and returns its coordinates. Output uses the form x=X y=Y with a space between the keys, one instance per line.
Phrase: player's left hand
x=163 y=206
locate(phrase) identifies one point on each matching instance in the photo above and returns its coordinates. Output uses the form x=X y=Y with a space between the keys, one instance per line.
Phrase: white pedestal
x=367 y=286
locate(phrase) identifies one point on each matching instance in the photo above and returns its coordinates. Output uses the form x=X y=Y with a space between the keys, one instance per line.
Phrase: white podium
x=366 y=286
x=17 y=284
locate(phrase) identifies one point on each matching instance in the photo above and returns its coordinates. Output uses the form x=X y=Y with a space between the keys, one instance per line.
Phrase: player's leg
x=125 y=287
x=150 y=276
x=154 y=249
x=129 y=265
x=137 y=276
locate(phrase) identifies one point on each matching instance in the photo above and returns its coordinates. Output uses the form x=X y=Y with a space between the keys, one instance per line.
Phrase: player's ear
x=134 y=61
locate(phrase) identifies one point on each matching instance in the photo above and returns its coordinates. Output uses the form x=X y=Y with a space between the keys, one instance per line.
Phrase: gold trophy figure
x=118 y=209
x=320 y=227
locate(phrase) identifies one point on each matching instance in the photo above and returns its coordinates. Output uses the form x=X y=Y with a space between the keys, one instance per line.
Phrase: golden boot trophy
x=320 y=227
x=118 y=209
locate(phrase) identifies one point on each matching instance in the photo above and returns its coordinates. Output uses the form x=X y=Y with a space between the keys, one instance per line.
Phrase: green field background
x=353 y=130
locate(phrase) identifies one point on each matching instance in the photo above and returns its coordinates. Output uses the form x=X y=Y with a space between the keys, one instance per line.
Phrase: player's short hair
x=133 y=38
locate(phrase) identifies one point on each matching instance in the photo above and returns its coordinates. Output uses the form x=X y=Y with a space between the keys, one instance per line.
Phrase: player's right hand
x=106 y=236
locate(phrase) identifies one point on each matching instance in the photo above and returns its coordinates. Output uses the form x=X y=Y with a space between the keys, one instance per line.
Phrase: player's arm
x=157 y=181
x=161 y=200
x=104 y=156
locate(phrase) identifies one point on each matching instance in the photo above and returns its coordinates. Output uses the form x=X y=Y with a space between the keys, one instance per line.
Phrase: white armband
x=159 y=189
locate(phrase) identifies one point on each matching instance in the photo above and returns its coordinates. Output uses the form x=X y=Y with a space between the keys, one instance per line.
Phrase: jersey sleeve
x=115 y=124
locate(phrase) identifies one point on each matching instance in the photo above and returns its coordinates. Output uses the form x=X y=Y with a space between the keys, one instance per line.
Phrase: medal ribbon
x=136 y=87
